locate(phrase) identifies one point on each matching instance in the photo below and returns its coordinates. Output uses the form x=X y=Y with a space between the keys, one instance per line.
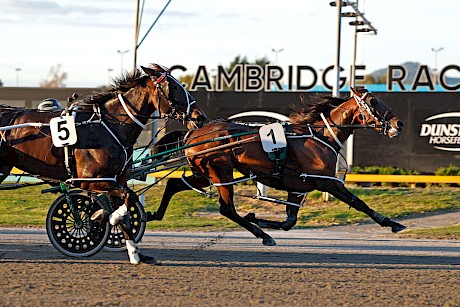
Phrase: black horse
x=108 y=124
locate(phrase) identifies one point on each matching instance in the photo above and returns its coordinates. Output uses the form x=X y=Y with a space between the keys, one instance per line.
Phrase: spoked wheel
x=116 y=241
x=75 y=234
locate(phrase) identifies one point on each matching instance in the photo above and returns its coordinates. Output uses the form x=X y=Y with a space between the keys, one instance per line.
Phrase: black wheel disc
x=70 y=236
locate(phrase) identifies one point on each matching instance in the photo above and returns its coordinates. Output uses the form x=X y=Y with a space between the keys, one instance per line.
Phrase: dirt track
x=359 y=266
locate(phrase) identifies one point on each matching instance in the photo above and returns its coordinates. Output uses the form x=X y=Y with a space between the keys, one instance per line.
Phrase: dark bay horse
x=107 y=127
x=314 y=139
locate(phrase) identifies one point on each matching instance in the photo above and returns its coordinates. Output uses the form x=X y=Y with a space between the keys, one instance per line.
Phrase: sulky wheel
x=116 y=241
x=75 y=234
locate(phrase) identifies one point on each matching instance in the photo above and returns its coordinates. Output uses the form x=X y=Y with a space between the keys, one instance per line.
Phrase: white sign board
x=272 y=137
x=63 y=131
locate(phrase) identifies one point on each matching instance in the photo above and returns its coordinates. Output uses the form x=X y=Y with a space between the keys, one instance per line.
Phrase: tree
x=368 y=79
x=56 y=78
x=186 y=79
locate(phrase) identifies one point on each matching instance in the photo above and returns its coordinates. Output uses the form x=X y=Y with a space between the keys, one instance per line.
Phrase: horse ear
x=155 y=70
x=159 y=68
x=150 y=71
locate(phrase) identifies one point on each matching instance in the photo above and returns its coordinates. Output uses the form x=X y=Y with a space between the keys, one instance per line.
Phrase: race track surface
x=339 y=266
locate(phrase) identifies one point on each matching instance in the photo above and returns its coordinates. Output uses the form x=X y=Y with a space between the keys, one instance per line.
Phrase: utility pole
x=336 y=86
x=136 y=34
x=138 y=23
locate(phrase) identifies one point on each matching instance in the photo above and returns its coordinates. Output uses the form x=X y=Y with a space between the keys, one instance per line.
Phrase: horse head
x=373 y=111
x=175 y=100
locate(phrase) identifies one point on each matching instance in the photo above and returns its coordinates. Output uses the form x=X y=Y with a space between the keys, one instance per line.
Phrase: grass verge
x=192 y=211
x=447 y=232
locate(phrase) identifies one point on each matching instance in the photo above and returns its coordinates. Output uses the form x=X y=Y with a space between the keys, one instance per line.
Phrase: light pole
x=435 y=70
x=17 y=76
x=121 y=54
x=348 y=152
x=276 y=51
x=359 y=21
x=109 y=72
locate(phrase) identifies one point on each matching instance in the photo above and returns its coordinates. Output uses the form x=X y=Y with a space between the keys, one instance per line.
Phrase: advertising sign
x=441 y=131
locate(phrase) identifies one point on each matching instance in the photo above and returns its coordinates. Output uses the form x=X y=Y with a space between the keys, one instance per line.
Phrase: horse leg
x=343 y=194
x=291 y=216
x=5 y=170
x=227 y=209
x=117 y=218
x=292 y=211
x=173 y=186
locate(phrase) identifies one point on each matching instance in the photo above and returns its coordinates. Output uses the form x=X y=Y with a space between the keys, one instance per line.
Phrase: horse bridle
x=176 y=111
x=364 y=105
x=175 y=107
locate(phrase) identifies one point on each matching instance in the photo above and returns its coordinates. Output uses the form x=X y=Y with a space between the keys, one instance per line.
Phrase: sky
x=84 y=36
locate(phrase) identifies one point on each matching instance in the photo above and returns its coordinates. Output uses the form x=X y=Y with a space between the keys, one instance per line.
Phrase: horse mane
x=128 y=80
x=121 y=84
x=309 y=110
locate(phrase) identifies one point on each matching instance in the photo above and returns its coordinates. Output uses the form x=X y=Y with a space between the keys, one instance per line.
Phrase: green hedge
x=390 y=170
x=448 y=171
x=386 y=170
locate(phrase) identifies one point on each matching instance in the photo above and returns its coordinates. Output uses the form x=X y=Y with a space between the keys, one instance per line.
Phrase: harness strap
x=161 y=78
x=191 y=187
x=238 y=180
x=67 y=160
x=361 y=102
x=118 y=141
x=305 y=176
x=120 y=97
x=330 y=130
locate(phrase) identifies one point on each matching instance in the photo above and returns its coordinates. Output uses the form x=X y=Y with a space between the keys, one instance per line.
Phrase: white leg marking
x=133 y=252
x=118 y=214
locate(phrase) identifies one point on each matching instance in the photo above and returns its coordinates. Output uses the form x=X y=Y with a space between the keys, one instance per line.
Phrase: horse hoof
x=148 y=259
x=289 y=223
x=100 y=216
x=396 y=227
x=268 y=242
